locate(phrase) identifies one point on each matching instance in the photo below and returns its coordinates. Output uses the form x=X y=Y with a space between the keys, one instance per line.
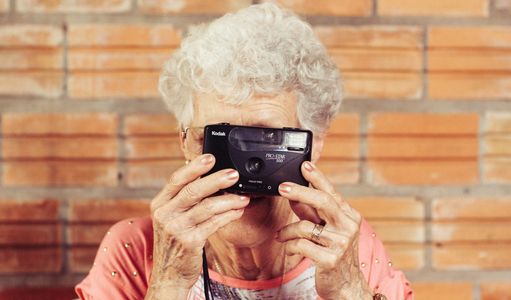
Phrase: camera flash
x=295 y=139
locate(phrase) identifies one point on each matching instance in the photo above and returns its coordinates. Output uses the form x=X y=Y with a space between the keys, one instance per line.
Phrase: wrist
x=166 y=290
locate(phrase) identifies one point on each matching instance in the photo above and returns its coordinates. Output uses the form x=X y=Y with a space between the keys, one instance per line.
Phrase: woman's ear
x=317 y=147
x=182 y=144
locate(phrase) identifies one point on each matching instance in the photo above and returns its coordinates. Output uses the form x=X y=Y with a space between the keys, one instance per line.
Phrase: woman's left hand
x=334 y=247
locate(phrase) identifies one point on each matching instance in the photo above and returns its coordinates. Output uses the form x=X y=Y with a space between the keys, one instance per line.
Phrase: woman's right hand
x=184 y=215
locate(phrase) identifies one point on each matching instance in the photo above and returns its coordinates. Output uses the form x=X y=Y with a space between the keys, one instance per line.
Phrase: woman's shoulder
x=123 y=262
x=135 y=229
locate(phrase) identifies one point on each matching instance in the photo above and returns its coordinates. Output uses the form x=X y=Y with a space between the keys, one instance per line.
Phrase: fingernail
x=206 y=159
x=232 y=174
x=284 y=187
x=308 y=166
x=244 y=198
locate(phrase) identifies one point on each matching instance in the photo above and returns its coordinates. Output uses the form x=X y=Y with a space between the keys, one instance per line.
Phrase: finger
x=304 y=229
x=203 y=187
x=328 y=209
x=209 y=227
x=211 y=206
x=305 y=212
x=182 y=176
x=323 y=257
x=316 y=178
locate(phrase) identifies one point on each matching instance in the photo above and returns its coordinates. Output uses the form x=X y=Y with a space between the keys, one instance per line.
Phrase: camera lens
x=254 y=165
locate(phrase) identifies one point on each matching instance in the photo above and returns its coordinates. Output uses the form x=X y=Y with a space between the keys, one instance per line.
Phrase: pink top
x=123 y=265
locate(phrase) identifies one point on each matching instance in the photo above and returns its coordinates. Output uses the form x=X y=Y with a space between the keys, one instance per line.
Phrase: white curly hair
x=260 y=50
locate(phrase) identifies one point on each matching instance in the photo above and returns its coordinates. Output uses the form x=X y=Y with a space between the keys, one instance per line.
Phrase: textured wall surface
x=422 y=146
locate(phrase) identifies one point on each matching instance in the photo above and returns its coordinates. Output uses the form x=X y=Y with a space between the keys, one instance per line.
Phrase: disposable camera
x=264 y=157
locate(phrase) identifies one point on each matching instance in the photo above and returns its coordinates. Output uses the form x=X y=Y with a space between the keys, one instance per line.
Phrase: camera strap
x=205 y=273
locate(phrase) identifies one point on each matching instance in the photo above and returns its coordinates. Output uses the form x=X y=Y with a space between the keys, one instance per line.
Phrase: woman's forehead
x=267 y=111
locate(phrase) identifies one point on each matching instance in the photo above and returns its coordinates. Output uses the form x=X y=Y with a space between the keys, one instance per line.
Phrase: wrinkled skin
x=257 y=238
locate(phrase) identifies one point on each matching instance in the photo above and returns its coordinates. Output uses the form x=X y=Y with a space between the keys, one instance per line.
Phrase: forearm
x=161 y=290
x=356 y=290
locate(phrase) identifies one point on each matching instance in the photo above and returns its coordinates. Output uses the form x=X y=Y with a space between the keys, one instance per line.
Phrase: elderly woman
x=264 y=67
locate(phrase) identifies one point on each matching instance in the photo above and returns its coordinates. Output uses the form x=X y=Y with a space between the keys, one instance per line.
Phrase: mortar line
x=481 y=147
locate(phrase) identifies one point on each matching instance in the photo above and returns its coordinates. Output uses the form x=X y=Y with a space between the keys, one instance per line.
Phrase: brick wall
x=422 y=147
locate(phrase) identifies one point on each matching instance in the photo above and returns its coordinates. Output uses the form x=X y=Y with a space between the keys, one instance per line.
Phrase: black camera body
x=264 y=157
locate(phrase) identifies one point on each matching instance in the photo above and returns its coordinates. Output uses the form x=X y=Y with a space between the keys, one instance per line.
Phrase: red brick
x=497 y=170
x=117 y=59
x=423 y=147
x=382 y=85
x=32 y=59
x=59 y=148
x=443 y=290
x=345 y=148
x=191 y=7
x=423 y=124
x=497 y=145
x=85 y=85
x=406 y=256
x=377 y=61
x=370 y=37
x=329 y=7
x=497 y=122
x=32 y=35
x=30 y=234
x=43 y=293
x=503 y=7
x=468 y=60
x=150 y=124
x=68 y=6
x=60 y=173
x=4 y=6
x=497 y=148
x=372 y=207
x=471 y=231
x=346 y=124
x=450 y=8
x=466 y=86
x=105 y=210
x=86 y=234
x=33 y=83
x=472 y=256
x=38 y=260
x=470 y=208
x=151 y=173
x=342 y=140
x=492 y=37
x=340 y=171
x=439 y=172
x=400 y=231
x=153 y=148
x=30 y=124
x=80 y=259
x=496 y=290
x=121 y=35
x=415 y=148
x=28 y=210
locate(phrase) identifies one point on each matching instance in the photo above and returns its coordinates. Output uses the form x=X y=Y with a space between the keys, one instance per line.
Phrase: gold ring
x=316 y=232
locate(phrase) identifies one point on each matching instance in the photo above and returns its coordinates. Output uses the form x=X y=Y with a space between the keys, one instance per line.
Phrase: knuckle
x=324 y=200
x=331 y=261
x=301 y=243
x=303 y=226
x=190 y=191
x=175 y=179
